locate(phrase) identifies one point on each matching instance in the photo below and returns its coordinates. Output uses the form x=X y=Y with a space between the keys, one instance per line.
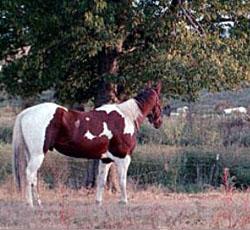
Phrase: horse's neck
x=131 y=110
x=146 y=101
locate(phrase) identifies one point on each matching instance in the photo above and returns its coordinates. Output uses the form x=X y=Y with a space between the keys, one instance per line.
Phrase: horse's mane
x=143 y=97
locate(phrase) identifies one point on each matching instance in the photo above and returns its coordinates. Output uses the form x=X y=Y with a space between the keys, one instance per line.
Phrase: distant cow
x=175 y=112
x=182 y=110
x=235 y=110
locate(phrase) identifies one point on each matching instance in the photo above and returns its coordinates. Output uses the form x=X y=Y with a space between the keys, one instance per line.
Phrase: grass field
x=151 y=208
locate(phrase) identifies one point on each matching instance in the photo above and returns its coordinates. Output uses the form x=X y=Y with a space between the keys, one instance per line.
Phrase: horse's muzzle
x=158 y=123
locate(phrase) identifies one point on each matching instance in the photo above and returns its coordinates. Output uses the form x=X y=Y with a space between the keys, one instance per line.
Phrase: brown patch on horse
x=52 y=130
x=66 y=133
x=122 y=145
x=115 y=123
x=91 y=121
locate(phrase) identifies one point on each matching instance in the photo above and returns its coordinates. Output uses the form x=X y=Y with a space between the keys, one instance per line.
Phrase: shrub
x=245 y=139
x=58 y=169
x=195 y=167
x=147 y=171
x=197 y=131
x=148 y=134
x=5 y=134
x=185 y=170
x=191 y=169
x=5 y=162
x=173 y=130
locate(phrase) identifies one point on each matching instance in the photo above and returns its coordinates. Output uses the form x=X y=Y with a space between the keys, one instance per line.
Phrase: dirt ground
x=151 y=208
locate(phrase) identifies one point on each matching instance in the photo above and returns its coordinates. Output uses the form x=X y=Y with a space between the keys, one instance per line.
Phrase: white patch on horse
x=129 y=111
x=87 y=118
x=37 y=118
x=89 y=135
x=108 y=108
x=106 y=132
x=122 y=166
x=31 y=125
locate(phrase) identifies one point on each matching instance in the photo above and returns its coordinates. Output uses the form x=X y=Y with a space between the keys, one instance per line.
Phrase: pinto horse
x=107 y=133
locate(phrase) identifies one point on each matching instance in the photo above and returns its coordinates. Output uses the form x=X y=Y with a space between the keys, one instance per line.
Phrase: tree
x=102 y=50
x=76 y=46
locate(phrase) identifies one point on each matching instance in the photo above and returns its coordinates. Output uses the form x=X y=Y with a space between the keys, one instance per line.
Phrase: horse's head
x=155 y=115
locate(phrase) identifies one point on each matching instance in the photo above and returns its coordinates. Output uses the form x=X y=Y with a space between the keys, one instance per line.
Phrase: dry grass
x=7 y=116
x=153 y=208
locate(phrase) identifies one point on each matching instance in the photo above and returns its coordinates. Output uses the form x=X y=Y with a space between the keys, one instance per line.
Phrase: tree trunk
x=106 y=93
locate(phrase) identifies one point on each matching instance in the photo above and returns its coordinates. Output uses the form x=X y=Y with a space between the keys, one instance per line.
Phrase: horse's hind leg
x=31 y=171
x=35 y=191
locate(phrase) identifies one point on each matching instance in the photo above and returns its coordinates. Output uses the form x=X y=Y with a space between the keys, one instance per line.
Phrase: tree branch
x=192 y=20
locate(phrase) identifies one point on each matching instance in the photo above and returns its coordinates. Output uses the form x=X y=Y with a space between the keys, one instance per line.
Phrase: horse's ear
x=158 y=87
x=148 y=85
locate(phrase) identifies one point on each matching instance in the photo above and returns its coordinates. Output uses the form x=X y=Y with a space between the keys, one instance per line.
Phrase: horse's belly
x=90 y=149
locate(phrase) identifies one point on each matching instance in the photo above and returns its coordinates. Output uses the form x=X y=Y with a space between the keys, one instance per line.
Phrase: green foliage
x=5 y=134
x=146 y=172
x=173 y=130
x=67 y=39
x=58 y=169
x=179 y=132
x=195 y=166
x=191 y=169
x=188 y=169
x=211 y=130
x=5 y=162
x=148 y=135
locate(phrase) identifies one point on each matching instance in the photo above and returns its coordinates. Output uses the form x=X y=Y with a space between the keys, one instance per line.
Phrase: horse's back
x=37 y=114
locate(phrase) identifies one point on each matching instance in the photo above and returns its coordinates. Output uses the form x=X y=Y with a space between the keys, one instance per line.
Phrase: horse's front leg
x=123 y=165
x=101 y=180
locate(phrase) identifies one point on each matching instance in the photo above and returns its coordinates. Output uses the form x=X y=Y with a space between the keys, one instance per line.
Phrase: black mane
x=143 y=97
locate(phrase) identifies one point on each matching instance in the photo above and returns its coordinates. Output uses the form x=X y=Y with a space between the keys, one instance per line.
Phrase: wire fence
x=180 y=173
x=187 y=170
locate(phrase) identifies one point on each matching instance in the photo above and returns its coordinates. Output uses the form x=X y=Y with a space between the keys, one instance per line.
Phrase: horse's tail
x=19 y=157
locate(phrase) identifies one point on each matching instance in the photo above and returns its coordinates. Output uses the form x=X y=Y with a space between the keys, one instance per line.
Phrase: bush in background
x=200 y=130
x=6 y=134
x=5 y=162
x=148 y=135
x=189 y=169
x=58 y=169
